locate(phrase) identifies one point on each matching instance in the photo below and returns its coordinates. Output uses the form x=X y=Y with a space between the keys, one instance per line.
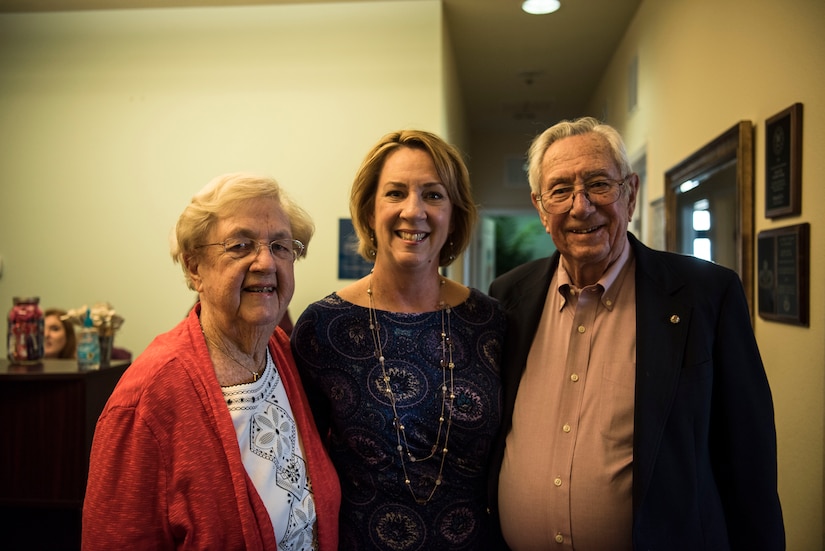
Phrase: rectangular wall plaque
x=783 y=163
x=784 y=274
x=350 y=263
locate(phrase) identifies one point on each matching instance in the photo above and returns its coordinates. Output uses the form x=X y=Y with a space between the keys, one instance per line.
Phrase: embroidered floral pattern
x=273 y=437
x=334 y=352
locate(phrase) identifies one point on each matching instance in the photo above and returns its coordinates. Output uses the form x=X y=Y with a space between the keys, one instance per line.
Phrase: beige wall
x=703 y=66
x=111 y=120
x=490 y=153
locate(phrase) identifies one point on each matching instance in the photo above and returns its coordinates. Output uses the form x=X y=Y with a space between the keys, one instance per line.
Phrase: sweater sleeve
x=743 y=435
x=125 y=505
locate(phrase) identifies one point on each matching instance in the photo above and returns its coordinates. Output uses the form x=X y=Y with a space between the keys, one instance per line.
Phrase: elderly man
x=637 y=413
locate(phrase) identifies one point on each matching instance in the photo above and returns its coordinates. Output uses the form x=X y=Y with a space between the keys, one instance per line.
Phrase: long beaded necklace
x=445 y=416
x=255 y=374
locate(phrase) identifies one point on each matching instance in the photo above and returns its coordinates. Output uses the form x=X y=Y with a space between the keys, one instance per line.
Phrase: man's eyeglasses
x=559 y=198
x=241 y=247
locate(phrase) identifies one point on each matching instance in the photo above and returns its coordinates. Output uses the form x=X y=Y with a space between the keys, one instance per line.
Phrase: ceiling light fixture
x=540 y=7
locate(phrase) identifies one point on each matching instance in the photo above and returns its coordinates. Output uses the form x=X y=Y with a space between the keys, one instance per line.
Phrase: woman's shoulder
x=163 y=369
x=480 y=308
x=355 y=293
x=454 y=293
x=333 y=301
x=319 y=314
x=477 y=295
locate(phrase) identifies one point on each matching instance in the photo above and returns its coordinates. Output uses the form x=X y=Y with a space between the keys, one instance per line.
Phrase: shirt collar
x=609 y=284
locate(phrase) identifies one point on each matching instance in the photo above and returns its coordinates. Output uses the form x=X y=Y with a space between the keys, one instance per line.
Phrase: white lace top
x=272 y=455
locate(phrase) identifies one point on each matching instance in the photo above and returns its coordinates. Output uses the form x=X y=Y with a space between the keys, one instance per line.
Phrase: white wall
x=111 y=120
x=704 y=65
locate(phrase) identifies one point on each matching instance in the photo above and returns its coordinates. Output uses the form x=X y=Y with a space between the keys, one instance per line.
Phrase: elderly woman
x=207 y=442
x=405 y=362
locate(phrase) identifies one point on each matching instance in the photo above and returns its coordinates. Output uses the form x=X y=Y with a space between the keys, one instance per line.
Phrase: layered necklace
x=255 y=374
x=445 y=417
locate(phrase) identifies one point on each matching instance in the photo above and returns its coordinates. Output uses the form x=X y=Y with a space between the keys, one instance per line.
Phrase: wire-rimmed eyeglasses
x=241 y=247
x=559 y=198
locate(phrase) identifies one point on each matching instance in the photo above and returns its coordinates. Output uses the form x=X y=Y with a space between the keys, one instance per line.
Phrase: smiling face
x=412 y=212
x=589 y=237
x=54 y=337
x=249 y=295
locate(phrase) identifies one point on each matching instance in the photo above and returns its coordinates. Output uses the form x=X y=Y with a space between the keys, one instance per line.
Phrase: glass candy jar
x=25 y=331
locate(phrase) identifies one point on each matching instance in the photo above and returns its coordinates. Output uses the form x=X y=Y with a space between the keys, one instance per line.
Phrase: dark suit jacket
x=704 y=445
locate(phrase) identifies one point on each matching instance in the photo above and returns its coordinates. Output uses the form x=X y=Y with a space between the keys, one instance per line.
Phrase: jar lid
x=26 y=300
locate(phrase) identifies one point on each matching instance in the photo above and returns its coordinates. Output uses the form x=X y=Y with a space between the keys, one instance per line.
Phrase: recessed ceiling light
x=539 y=7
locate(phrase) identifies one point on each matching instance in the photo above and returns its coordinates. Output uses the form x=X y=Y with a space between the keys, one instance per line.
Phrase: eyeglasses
x=241 y=247
x=559 y=198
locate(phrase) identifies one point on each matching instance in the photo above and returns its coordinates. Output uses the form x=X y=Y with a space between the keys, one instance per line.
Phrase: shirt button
x=566 y=428
x=557 y=482
x=574 y=377
x=580 y=329
x=559 y=538
x=608 y=302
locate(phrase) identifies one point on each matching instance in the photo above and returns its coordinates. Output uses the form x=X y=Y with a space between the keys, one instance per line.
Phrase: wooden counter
x=48 y=414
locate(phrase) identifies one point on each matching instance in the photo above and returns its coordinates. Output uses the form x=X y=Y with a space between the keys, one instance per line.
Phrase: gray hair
x=565 y=129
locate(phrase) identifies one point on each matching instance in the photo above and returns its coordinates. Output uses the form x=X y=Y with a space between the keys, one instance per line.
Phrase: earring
x=373 y=250
x=452 y=255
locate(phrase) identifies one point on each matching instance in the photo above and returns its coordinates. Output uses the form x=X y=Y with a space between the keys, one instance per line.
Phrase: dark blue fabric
x=335 y=352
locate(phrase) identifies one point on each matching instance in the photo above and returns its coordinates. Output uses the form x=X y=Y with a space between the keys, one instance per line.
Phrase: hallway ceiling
x=518 y=72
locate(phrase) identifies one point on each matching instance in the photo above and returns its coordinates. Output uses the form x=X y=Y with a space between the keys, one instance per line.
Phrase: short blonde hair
x=219 y=198
x=451 y=170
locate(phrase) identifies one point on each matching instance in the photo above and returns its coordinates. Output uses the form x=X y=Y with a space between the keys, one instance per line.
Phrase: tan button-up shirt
x=566 y=479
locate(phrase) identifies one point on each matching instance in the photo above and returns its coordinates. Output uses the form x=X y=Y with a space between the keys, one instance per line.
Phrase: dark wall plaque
x=350 y=263
x=783 y=274
x=783 y=163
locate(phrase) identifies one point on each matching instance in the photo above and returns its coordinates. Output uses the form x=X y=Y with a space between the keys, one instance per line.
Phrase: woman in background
x=59 y=339
x=402 y=366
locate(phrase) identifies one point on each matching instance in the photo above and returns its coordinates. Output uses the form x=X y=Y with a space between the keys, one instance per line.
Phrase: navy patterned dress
x=335 y=353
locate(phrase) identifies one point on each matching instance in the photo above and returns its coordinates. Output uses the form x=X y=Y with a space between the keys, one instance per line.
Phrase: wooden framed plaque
x=783 y=274
x=783 y=163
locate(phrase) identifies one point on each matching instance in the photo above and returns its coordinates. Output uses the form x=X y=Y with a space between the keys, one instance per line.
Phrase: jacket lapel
x=662 y=321
x=525 y=297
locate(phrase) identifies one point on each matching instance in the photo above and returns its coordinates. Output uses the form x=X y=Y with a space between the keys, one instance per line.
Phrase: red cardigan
x=166 y=469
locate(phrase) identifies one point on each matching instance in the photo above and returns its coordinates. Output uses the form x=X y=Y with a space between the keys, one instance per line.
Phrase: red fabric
x=166 y=469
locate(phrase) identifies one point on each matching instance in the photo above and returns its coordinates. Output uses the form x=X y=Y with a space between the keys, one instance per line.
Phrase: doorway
x=504 y=240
